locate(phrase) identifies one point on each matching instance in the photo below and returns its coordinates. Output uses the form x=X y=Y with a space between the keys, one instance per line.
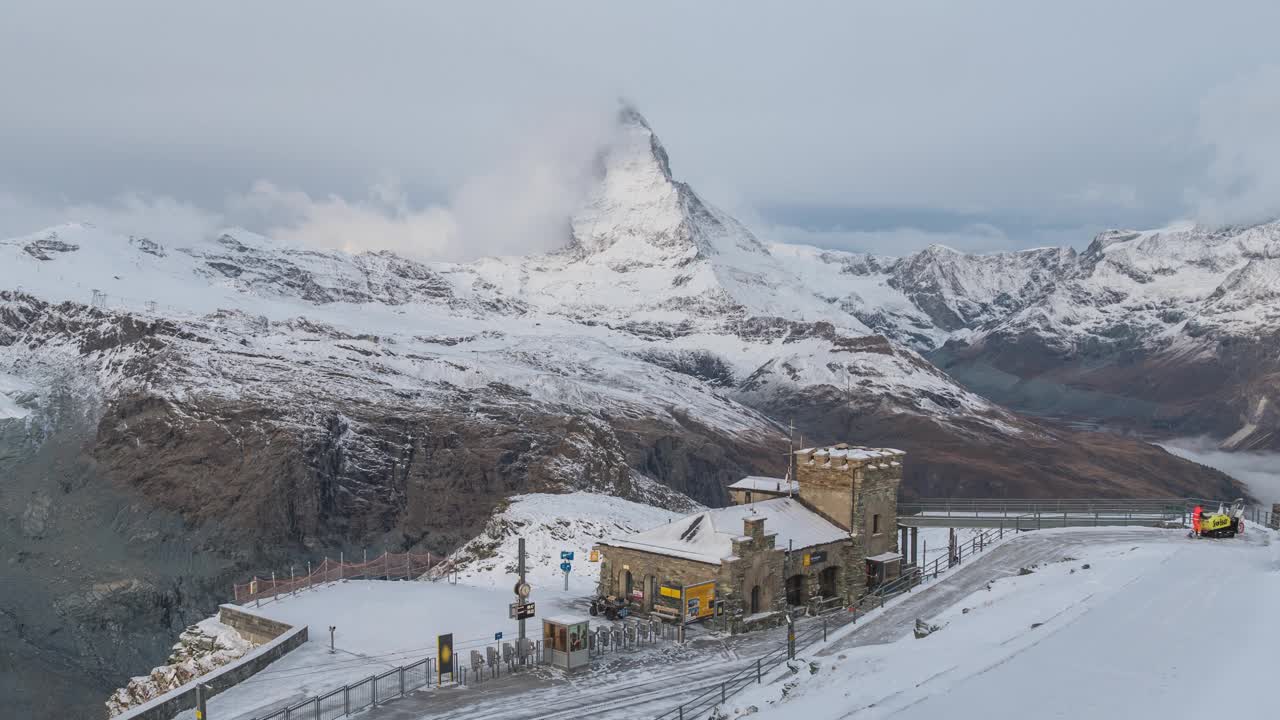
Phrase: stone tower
x=855 y=488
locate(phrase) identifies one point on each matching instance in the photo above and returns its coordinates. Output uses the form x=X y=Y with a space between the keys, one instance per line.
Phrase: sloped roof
x=708 y=536
x=767 y=484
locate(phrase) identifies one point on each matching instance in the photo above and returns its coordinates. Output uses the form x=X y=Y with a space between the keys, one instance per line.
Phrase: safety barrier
x=388 y=566
x=1054 y=513
x=397 y=682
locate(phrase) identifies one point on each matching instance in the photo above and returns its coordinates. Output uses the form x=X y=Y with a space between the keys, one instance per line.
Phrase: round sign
x=523 y=589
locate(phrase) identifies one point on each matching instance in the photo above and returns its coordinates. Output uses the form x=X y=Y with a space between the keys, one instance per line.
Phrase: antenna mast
x=791 y=454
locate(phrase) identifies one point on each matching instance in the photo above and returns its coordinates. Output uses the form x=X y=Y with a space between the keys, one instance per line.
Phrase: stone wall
x=252 y=627
x=827 y=489
x=759 y=563
x=738 y=496
x=840 y=555
x=648 y=571
x=877 y=497
x=227 y=676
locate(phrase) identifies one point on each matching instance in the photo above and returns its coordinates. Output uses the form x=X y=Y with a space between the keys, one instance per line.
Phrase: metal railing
x=753 y=674
x=1070 y=511
x=388 y=566
x=1053 y=513
x=389 y=685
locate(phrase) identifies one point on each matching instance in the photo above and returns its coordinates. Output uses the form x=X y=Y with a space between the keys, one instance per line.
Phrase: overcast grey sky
x=872 y=125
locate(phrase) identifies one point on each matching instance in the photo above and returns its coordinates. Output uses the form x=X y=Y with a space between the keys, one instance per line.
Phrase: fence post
x=760 y=673
x=346 y=700
x=308 y=573
x=373 y=690
x=401 y=681
x=316 y=705
x=275 y=594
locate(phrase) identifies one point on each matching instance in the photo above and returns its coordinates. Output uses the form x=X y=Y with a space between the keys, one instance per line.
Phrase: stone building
x=816 y=541
x=754 y=488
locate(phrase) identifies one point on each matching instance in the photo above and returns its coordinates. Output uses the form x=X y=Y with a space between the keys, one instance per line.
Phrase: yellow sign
x=806 y=559
x=595 y=556
x=670 y=592
x=700 y=600
x=444 y=655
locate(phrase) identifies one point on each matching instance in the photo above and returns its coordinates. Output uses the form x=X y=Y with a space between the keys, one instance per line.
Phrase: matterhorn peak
x=638 y=211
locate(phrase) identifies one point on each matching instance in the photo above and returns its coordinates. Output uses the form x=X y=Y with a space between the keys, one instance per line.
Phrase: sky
x=448 y=130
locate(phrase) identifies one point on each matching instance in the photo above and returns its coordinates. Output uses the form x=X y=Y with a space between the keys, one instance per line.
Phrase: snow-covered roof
x=885 y=557
x=708 y=536
x=568 y=619
x=850 y=452
x=767 y=484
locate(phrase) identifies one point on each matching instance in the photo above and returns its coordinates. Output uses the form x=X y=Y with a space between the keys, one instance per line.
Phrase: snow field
x=381 y=625
x=1122 y=638
x=551 y=524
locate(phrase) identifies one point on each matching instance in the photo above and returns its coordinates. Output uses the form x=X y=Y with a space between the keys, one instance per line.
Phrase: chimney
x=753 y=526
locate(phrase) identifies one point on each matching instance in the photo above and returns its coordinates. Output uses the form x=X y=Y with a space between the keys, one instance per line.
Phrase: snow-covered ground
x=551 y=524
x=380 y=625
x=1156 y=626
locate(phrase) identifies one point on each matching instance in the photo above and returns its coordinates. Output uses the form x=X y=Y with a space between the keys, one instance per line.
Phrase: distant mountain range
x=1168 y=332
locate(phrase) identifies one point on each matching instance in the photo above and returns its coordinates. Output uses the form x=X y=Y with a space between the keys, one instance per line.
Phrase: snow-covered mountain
x=177 y=410
x=1171 y=331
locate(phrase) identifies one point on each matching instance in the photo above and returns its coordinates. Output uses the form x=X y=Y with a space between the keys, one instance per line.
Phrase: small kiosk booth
x=564 y=642
x=882 y=568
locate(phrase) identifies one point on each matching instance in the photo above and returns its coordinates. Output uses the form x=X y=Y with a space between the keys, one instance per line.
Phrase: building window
x=875 y=524
x=748 y=496
x=755 y=599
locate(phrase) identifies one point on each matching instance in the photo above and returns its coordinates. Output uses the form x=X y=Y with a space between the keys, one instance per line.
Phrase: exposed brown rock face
x=1223 y=388
x=1041 y=460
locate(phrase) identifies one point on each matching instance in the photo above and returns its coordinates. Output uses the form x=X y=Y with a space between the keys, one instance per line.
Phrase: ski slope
x=1158 y=626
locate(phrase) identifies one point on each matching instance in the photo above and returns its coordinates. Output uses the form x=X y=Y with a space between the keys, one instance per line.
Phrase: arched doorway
x=795 y=590
x=627 y=585
x=650 y=591
x=827 y=581
x=755 y=599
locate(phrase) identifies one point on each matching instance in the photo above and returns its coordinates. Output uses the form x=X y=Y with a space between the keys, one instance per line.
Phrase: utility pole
x=791 y=454
x=684 y=612
x=520 y=569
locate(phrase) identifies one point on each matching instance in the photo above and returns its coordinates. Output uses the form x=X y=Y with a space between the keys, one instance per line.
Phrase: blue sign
x=565 y=566
x=497 y=636
x=566 y=554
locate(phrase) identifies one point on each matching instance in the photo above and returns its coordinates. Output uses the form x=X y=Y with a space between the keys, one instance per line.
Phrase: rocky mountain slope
x=178 y=410
x=1173 y=331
